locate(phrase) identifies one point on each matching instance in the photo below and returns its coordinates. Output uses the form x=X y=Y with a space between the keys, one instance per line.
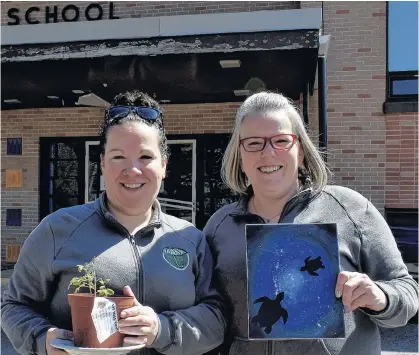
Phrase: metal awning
x=176 y=59
x=182 y=69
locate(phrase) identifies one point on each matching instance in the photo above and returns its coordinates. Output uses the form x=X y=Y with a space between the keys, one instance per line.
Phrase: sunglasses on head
x=119 y=112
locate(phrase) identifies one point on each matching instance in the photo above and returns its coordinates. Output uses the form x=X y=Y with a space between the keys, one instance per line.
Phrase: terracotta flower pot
x=84 y=331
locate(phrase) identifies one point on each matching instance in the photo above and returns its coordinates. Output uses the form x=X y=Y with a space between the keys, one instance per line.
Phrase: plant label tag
x=105 y=318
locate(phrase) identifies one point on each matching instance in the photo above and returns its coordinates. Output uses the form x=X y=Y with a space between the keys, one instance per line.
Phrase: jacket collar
x=101 y=206
x=241 y=209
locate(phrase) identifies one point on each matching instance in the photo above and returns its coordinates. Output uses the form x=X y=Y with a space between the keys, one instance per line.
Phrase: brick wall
x=374 y=153
x=401 y=186
x=74 y=122
x=135 y=9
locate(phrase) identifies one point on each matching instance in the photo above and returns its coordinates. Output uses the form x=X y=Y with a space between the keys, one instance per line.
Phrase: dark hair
x=136 y=98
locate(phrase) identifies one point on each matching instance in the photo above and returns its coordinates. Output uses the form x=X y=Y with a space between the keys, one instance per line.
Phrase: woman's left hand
x=358 y=290
x=140 y=323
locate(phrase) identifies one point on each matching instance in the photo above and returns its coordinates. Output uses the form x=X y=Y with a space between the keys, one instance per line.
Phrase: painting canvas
x=292 y=273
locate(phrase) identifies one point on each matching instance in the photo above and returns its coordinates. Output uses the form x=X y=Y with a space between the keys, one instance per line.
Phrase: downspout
x=322 y=104
x=305 y=104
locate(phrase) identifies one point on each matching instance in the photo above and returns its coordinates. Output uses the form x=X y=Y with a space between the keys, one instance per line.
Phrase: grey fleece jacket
x=366 y=245
x=189 y=309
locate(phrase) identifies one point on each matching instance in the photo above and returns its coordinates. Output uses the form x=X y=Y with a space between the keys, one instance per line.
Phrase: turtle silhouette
x=270 y=312
x=312 y=265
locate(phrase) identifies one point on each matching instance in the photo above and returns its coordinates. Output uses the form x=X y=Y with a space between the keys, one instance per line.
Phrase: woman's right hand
x=56 y=333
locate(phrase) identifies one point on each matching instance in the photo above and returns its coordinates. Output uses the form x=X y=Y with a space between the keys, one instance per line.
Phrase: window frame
x=398 y=103
x=403 y=223
x=400 y=75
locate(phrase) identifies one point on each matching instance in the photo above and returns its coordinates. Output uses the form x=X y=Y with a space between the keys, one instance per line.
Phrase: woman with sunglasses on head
x=281 y=178
x=161 y=260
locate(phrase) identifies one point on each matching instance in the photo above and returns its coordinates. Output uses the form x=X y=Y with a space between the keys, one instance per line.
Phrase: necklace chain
x=267 y=220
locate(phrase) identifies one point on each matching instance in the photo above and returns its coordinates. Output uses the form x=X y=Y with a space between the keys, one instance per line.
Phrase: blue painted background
x=275 y=255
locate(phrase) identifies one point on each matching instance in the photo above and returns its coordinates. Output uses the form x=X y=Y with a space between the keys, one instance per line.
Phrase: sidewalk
x=400 y=341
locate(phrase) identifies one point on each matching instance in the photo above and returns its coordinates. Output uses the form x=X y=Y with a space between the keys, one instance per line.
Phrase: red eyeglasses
x=279 y=142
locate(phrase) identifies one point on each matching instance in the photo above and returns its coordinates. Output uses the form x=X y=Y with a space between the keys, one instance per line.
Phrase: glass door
x=177 y=194
x=61 y=174
x=93 y=177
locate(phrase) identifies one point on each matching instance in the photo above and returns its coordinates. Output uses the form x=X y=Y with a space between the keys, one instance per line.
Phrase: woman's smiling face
x=132 y=167
x=271 y=172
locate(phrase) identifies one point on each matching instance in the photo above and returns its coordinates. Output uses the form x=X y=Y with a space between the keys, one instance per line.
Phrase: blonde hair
x=262 y=102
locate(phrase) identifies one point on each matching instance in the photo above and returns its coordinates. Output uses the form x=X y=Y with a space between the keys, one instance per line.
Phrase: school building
x=351 y=67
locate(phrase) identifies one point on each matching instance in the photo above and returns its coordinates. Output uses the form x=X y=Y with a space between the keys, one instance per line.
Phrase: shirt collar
x=101 y=206
x=242 y=205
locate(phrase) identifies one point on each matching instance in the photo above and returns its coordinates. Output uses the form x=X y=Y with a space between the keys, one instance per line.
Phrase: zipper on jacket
x=140 y=283
x=284 y=211
x=271 y=350
x=288 y=205
x=140 y=286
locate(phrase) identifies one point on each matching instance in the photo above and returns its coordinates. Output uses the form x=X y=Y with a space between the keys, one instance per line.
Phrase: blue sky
x=403 y=35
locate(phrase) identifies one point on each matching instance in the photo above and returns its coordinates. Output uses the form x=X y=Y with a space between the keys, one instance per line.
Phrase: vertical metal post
x=322 y=104
x=305 y=103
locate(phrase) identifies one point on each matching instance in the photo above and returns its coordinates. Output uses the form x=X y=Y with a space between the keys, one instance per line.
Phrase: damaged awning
x=175 y=69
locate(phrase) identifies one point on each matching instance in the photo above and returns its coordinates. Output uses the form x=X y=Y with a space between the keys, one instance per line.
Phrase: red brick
x=377 y=188
x=363 y=50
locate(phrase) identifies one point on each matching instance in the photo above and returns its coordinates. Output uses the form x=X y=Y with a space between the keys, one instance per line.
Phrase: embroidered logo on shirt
x=176 y=257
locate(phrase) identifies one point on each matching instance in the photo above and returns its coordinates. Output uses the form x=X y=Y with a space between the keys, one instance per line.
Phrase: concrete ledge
x=164 y=26
x=400 y=107
x=80 y=31
x=256 y=21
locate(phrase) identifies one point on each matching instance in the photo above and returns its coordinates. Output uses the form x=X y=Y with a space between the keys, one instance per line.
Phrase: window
x=403 y=223
x=61 y=173
x=13 y=217
x=14 y=146
x=402 y=51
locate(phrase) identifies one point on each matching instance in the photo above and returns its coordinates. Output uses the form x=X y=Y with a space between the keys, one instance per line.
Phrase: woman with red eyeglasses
x=163 y=261
x=281 y=178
